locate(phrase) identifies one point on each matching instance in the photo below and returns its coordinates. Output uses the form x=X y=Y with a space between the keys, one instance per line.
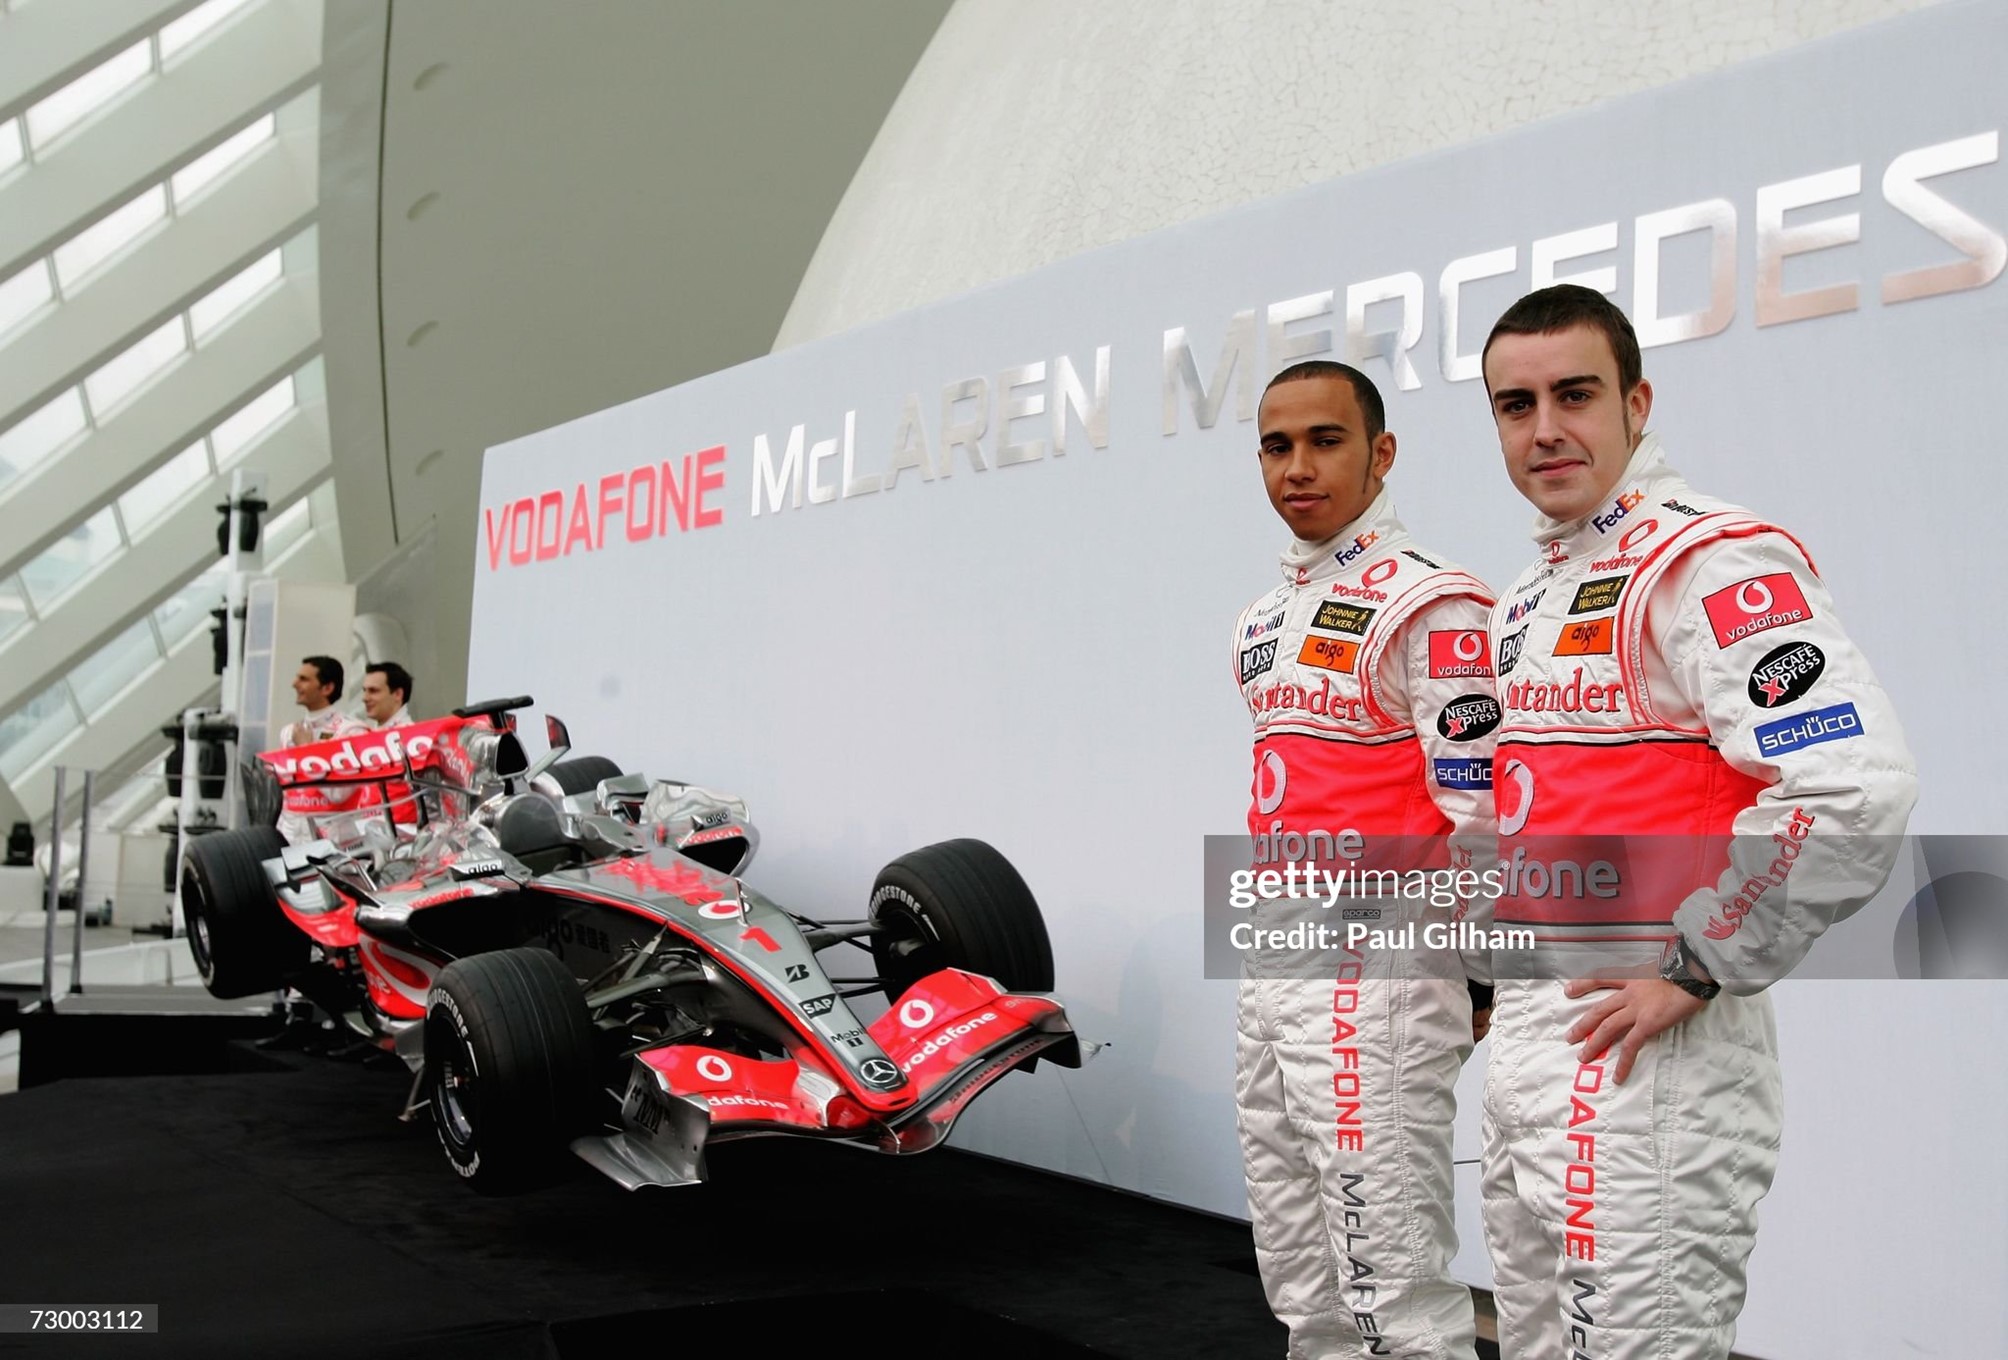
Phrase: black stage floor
x=288 y=1214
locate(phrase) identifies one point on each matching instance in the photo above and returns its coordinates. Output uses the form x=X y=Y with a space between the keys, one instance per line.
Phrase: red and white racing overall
x=1673 y=673
x=1368 y=677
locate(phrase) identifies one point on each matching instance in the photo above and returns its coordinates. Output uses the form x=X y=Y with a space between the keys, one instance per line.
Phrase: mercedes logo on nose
x=878 y=1072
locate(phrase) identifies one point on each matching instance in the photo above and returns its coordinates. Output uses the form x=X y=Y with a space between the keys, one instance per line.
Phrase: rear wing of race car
x=366 y=770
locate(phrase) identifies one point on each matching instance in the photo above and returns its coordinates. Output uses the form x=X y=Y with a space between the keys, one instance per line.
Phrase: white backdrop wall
x=1030 y=644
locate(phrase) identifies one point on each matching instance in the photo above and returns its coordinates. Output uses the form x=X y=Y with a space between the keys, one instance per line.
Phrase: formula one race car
x=566 y=957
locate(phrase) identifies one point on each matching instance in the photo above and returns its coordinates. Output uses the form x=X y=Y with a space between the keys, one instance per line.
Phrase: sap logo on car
x=1351 y=552
x=1457 y=654
x=1262 y=627
x=1463 y=774
x=387 y=750
x=944 y=1039
x=879 y=1073
x=1839 y=723
x=1786 y=673
x=1343 y=618
x=1258 y=659
x=1755 y=606
x=1468 y=717
x=1509 y=650
x=819 y=1005
x=1614 y=516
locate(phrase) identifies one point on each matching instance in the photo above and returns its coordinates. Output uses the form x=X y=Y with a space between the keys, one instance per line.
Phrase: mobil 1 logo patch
x=1257 y=659
x=1468 y=717
x=1786 y=674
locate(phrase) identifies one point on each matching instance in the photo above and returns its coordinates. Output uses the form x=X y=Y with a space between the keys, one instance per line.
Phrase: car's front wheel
x=511 y=1064
x=958 y=904
x=243 y=944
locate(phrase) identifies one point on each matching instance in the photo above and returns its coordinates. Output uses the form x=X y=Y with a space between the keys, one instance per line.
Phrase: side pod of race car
x=566 y=958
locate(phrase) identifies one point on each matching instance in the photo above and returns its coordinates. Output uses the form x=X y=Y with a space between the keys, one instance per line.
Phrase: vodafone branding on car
x=947 y=1036
x=1754 y=606
x=366 y=753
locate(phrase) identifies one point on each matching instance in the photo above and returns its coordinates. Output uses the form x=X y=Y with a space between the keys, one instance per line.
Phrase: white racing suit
x=1673 y=673
x=1368 y=677
x=326 y=725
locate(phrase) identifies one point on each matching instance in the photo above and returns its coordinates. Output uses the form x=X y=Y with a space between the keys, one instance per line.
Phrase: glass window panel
x=12 y=153
x=287 y=528
x=32 y=439
x=226 y=302
x=212 y=165
x=136 y=803
x=88 y=93
x=237 y=434
x=32 y=730
x=175 y=37
x=24 y=295
x=13 y=608
x=98 y=680
x=105 y=238
x=187 y=610
x=69 y=559
x=164 y=487
x=122 y=377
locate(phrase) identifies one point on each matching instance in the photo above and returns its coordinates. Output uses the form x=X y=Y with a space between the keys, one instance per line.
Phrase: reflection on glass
x=66 y=561
x=124 y=376
x=227 y=301
x=34 y=437
x=164 y=487
x=187 y=610
x=32 y=730
x=99 y=679
x=109 y=235
x=217 y=162
x=13 y=607
x=287 y=528
x=235 y=435
x=175 y=37
x=89 y=92
x=26 y=293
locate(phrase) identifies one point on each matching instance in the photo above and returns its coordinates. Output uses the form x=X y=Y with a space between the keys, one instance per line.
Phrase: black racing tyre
x=582 y=774
x=511 y=1067
x=958 y=904
x=243 y=944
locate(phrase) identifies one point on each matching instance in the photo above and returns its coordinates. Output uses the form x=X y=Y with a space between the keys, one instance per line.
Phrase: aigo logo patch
x=1331 y=654
x=1586 y=637
x=1755 y=606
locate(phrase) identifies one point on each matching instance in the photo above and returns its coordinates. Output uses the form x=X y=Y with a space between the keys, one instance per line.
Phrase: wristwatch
x=1677 y=966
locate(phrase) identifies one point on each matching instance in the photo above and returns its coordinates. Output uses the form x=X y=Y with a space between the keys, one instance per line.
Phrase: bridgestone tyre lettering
x=958 y=904
x=582 y=774
x=511 y=1067
x=242 y=942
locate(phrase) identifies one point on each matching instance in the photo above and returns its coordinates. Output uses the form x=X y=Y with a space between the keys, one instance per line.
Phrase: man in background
x=317 y=687
x=387 y=695
x=1368 y=675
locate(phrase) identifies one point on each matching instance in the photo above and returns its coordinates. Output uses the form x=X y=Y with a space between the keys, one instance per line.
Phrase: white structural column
x=1033 y=130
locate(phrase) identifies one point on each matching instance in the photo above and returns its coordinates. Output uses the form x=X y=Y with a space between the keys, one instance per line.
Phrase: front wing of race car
x=951 y=1035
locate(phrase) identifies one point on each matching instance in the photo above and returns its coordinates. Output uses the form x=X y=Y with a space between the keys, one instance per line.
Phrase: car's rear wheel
x=242 y=942
x=958 y=904
x=511 y=1065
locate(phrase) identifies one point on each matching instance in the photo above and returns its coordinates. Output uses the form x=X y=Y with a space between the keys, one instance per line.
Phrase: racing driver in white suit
x=1675 y=680
x=1368 y=676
